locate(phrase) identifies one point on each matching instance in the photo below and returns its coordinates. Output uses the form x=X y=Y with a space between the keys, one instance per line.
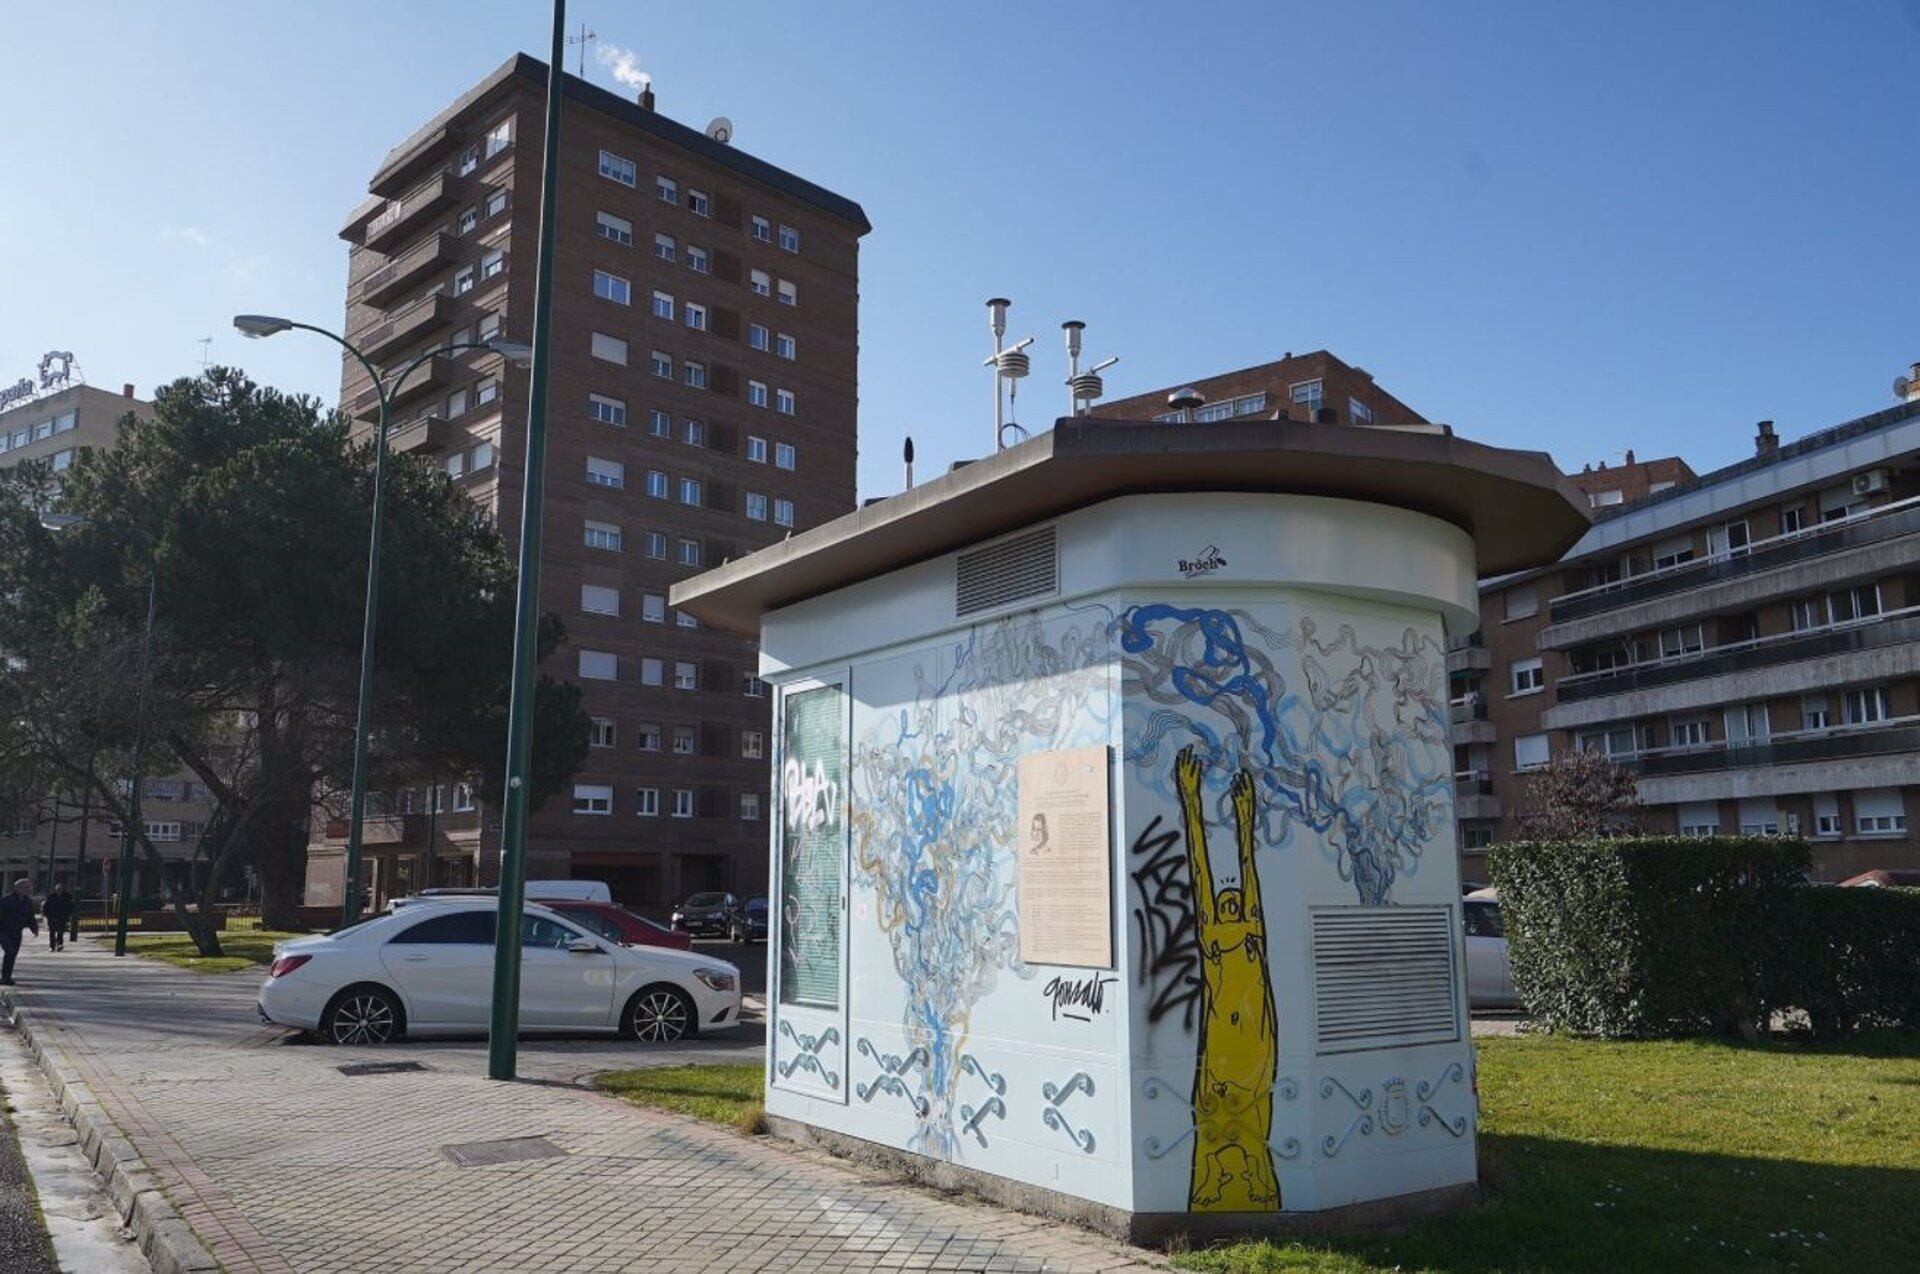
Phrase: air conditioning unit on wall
x=1871 y=482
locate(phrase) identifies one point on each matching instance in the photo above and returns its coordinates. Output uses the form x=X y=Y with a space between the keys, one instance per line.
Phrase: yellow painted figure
x=1239 y=1046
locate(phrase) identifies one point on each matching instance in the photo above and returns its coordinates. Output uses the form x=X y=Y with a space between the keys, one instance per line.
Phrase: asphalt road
x=24 y=1247
x=751 y=957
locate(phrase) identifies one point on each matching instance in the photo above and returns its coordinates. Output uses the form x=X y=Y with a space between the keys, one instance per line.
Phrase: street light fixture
x=56 y=523
x=257 y=326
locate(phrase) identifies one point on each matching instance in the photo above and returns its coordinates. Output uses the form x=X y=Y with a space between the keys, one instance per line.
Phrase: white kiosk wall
x=1280 y=1023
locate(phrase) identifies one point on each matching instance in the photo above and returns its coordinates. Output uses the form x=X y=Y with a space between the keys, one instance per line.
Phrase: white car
x=1489 y=974
x=428 y=970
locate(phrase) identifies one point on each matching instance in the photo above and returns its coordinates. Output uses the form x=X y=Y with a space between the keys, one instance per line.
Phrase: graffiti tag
x=812 y=797
x=1164 y=922
x=1205 y=562
x=1078 y=998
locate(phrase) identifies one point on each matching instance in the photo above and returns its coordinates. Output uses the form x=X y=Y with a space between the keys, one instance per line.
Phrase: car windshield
x=706 y=900
x=593 y=920
x=757 y=906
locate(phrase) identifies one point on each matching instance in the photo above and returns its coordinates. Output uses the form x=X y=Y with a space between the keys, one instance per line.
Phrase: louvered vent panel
x=1010 y=571
x=1382 y=977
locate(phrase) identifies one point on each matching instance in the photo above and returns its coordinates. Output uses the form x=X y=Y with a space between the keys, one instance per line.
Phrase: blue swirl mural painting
x=933 y=831
x=1357 y=752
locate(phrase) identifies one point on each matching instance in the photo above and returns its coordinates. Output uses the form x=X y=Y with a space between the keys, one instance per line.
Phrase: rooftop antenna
x=1186 y=400
x=585 y=38
x=206 y=349
x=1082 y=387
x=1008 y=365
x=906 y=453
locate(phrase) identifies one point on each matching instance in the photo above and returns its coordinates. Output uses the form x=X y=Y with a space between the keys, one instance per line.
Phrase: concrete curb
x=165 y=1238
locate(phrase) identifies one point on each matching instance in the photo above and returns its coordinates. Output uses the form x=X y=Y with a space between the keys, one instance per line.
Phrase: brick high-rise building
x=702 y=405
x=1314 y=386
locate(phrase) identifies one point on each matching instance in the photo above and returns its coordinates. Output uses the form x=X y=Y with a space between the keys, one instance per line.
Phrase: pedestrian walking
x=58 y=909
x=16 y=916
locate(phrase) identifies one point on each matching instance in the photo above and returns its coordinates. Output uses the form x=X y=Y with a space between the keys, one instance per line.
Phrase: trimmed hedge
x=1851 y=959
x=1649 y=935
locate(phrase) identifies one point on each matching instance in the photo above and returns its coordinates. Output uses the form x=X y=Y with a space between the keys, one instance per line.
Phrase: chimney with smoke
x=1765 y=442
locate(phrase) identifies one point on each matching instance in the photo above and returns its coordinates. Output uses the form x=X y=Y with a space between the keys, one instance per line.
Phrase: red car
x=617 y=924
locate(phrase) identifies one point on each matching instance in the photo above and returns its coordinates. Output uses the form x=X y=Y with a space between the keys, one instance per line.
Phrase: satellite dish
x=1902 y=387
x=721 y=130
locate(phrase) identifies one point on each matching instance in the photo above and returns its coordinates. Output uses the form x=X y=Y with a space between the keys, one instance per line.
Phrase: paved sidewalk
x=280 y=1162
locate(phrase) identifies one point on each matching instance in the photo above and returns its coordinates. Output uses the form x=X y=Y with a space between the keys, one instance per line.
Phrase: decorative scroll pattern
x=1427 y=1090
x=1053 y=1117
x=890 y=1080
x=809 y=1057
x=1361 y=1123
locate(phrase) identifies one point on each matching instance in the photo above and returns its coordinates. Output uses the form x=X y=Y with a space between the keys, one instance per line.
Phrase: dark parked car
x=752 y=924
x=617 y=924
x=708 y=915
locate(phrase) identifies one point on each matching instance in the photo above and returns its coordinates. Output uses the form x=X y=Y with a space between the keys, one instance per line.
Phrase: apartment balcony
x=406 y=326
x=1880 y=738
x=1468 y=719
x=1879 y=542
x=1881 y=754
x=1469 y=658
x=437 y=372
x=404 y=216
x=429 y=432
x=1473 y=795
x=406 y=270
x=1890 y=628
x=402 y=170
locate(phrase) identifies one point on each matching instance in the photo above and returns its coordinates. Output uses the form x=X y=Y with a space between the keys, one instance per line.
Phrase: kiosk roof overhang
x=1519 y=509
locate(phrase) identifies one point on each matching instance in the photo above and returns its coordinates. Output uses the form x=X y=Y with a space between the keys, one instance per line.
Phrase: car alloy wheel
x=365 y=1017
x=661 y=1016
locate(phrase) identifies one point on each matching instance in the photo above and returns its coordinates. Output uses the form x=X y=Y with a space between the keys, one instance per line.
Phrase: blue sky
x=1581 y=228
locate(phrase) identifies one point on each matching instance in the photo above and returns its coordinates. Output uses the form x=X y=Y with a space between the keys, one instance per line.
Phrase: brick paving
x=281 y=1163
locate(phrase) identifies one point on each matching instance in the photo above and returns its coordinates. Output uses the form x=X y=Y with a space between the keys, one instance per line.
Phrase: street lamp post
x=256 y=326
x=503 y=1031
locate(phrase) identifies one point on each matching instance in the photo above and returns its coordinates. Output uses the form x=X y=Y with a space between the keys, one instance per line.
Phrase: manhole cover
x=380 y=1068
x=473 y=1154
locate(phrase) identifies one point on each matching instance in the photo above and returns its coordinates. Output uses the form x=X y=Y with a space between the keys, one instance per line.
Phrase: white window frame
x=593 y=799
x=618 y=169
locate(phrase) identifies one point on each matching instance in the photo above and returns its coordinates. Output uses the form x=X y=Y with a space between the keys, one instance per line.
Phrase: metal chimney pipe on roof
x=1765 y=441
x=906 y=453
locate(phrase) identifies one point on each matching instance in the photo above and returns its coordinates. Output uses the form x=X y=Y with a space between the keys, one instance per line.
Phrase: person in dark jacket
x=58 y=909
x=16 y=916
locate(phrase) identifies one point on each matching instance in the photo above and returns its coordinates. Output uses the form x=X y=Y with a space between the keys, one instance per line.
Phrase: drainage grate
x=380 y=1068
x=474 y=1154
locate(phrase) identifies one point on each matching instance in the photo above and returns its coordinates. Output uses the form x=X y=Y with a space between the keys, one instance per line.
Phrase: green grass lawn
x=717 y=1094
x=1595 y=1156
x=1662 y=1156
x=244 y=944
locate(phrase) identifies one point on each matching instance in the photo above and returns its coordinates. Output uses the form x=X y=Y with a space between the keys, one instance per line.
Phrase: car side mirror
x=584 y=946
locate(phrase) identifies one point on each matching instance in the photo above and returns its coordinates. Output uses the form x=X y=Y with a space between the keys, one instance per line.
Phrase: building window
x=497 y=203
x=784 y=455
x=1359 y=412
x=600 y=733
x=456 y=403
x=1792 y=520
x=598 y=600
x=1747 y=723
x=653 y=672
x=762 y=230
x=599 y=665
x=750 y=807
x=1523 y=602
x=662 y=365
x=614 y=168
x=783 y=512
x=1529 y=751
x=683 y=740
x=661 y=423
x=665 y=248
x=756 y=506
x=697 y=259
x=455 y=464
x=592 y=798
x=1866 y=705
x=786 y=347
x=647 y=737
x=1815 y=713
x=499 y=137
x=647 y=802
x=756 y=449
x=1306 y=395
x=789 y=239
x=756 y=336
x=62 y=460
x=611 y=287
x=663 y=306
x=1849 y=604
x=485 y=390
x=690 y=492
x=463 y=281
x=683 y=620
x=760 y=282
x=756 y=393
x=1699 y=818
x=752 y=687
x=1672 y=552
x=683 y=802
x=608 y=411
x=489 y=326
x=657 y=545
x=657 y=484
x=689 y=552
x=693 y=433
x=698 y=204
x=1826 y=815
x=469 y=218
x=617 y=229
x=1689 y=732
x=695 y=316
x=668 y=189
x=603 y=535
x=694 y=374
x=789 y=292
x=1676 y=642
x=609 y=349
x=752 y=744
x=482 y=458
x=653 y=608
x=1617 y=741
x=686 y=675
x=1879 y=812
x=783 y=401
x=606 y=473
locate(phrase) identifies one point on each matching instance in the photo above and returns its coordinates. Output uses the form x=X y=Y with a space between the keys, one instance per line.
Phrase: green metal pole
x=363 y=716
x=504 y=1030
x=139 y=745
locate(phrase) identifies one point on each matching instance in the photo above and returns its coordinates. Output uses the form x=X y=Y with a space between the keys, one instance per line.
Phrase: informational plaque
x=1066 y=862
x=813 y=845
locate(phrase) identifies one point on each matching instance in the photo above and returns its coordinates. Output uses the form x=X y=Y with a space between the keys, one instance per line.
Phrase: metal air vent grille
x=1383 y=977
x=1011 y=570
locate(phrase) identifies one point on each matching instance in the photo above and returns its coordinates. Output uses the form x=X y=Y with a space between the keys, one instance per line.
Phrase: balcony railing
x=1461 y=711
x=1889 y=628
x=426 y=432
x=385 y=231
x=436 y=373
x=1884 y=523
x=405 y=325
x=405 y=270
x=1472 y=783
x=1878 y=738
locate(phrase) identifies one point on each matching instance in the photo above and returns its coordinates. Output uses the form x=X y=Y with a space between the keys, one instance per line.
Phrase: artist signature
x=1206 y=562
x=1078 y=998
